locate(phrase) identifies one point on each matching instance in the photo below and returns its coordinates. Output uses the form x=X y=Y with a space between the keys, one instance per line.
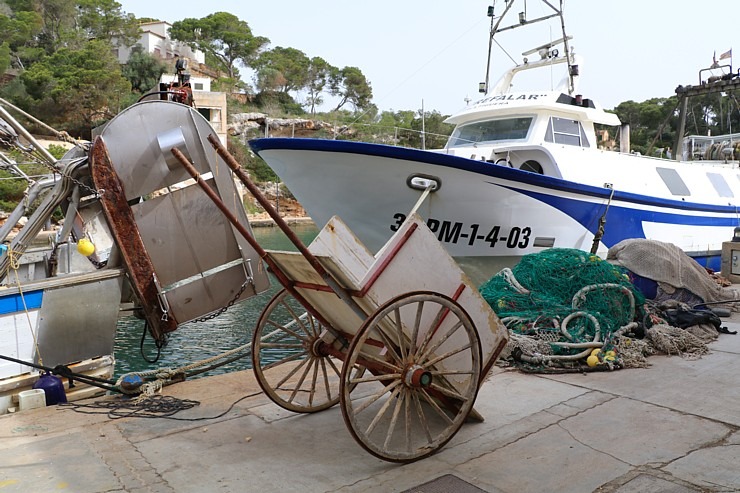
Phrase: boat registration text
x=456 y=232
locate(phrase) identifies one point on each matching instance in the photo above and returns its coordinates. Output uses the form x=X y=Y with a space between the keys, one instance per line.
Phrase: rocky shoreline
x=287 y=207
x=263 y=220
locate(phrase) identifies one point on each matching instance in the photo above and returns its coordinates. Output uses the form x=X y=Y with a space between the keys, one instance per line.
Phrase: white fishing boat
x=521 y=172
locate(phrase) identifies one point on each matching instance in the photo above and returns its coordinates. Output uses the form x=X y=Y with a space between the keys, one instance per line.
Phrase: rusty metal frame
x=123 y=228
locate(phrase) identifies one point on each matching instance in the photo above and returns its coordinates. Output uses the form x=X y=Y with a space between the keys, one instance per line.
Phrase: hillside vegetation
x=58 y=62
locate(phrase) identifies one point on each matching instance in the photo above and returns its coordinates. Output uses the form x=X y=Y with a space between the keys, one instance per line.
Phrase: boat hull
x=68 y=320
x=481 y=209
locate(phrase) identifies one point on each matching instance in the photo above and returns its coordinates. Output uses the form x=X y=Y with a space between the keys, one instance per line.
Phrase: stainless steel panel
x=184 y=234
x=207 y=294
x=173 y=139
x=79 y=322
x=132 y=141
x=224 y=180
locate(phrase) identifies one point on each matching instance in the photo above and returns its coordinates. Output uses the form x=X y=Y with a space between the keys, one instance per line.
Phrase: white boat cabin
x=553 y=134
x=503 y=129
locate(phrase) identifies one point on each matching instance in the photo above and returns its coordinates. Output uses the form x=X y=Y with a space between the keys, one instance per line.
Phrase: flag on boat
x=726 y=54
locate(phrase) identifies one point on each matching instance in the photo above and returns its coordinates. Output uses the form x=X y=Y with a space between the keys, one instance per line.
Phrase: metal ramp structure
x=182 y=255
x=133 y=223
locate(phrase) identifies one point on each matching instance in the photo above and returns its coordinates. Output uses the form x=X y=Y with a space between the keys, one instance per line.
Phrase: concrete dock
x=672 y=427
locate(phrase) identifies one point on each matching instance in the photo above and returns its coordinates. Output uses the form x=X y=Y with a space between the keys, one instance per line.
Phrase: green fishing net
x=561 y=304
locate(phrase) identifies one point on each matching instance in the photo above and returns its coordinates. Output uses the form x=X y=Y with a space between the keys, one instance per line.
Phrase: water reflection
x=197 y=341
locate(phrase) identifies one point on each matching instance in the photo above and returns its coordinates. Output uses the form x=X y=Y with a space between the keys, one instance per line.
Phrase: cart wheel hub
x=418 y=377
x=319 y=348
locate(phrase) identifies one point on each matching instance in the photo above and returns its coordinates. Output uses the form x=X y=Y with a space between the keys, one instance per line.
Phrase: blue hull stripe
x=481 y=168
x=621 y=222
x=13 y=303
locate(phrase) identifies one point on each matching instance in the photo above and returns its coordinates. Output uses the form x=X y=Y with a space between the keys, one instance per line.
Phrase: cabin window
x=673 y=181
x=720 y=185
x=566 y=131
x=491 y=131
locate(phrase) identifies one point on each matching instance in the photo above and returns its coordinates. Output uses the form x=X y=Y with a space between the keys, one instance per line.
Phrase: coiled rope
x=155 y=380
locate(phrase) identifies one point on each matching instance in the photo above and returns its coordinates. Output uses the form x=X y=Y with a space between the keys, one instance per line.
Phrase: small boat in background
x=60 y=291
x=521 y=172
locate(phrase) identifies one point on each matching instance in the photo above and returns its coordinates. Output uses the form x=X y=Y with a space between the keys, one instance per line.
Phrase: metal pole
x=325 y=276
x=26 y=135
x=494 y=29
x=283 y=279
x=678 y=147
x=423 y=128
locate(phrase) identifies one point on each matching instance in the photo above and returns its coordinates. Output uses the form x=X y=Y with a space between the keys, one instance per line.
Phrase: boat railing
x=372 y=133
x=717 y=147
x=59 y=190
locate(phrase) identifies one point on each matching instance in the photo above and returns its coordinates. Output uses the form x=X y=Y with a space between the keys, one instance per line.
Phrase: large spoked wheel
x=424 y=356
x=290 y=360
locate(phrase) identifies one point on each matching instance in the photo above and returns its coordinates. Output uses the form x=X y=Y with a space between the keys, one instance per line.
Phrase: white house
x=155 y=39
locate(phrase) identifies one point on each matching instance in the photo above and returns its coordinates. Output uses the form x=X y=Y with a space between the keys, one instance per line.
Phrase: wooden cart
x=401 y=339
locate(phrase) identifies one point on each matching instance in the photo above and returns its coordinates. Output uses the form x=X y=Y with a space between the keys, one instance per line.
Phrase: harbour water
x=197 y=341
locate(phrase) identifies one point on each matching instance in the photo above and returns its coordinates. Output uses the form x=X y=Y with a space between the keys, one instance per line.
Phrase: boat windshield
x=491 y=130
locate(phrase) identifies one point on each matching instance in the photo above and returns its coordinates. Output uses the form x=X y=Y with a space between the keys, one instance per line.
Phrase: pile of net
x=568 y=310
x=678 y=276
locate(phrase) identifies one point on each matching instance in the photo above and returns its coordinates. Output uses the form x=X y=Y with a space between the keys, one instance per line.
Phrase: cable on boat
x=14 y=263
x=61 y=135
x=66 y=372
x=159 y=343
x=602 y=222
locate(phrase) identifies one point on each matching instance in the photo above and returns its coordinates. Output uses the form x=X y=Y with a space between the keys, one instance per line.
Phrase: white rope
x=508 y=276
x=14 y=263
x=163 y=376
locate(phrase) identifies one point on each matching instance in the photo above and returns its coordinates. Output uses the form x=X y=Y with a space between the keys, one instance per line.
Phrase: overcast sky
x=436 y=50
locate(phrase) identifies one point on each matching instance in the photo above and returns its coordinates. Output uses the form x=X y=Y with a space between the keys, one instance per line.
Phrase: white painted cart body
x=412 y=335
x=422 y=330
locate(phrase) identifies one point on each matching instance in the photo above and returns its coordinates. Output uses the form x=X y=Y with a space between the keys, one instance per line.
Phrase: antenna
x=523 y=21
